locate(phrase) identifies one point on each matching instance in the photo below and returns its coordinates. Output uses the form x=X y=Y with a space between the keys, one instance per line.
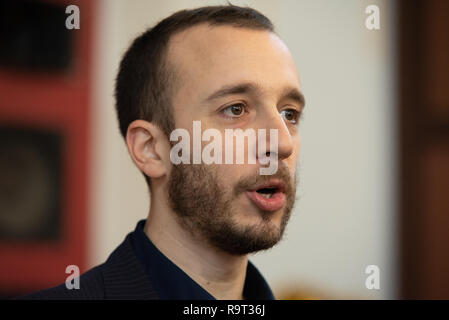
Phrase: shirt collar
x=172 y=283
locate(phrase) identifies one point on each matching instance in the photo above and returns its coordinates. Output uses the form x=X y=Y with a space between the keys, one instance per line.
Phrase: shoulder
x=122 y=276
x=91 y=287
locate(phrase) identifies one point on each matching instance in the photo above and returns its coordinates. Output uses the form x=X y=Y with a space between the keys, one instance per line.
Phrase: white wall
x=345 y=218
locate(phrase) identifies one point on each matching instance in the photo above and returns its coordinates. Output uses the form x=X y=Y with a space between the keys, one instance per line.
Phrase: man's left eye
x=291 y=115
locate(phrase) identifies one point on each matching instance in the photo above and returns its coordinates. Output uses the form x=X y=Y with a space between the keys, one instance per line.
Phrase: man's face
x=214 y=201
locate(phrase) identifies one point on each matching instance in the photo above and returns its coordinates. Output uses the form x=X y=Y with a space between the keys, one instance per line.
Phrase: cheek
x=297 y=147
x=228 y=175
x=225 y=173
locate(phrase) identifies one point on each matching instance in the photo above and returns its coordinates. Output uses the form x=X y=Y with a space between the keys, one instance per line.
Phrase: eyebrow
x=248 y=87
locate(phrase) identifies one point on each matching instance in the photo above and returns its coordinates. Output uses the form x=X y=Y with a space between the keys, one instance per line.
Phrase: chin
x=265 y=225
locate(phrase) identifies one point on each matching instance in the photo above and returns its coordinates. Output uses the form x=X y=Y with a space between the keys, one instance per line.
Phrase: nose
x=283 y=147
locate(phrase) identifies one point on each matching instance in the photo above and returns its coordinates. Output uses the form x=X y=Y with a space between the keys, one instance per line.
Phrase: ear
x=147 y=147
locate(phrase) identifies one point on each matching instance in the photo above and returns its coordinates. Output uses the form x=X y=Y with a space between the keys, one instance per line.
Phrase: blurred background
x=374 y=163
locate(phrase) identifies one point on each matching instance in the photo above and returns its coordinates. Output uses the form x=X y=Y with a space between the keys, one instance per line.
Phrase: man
x=224 y=67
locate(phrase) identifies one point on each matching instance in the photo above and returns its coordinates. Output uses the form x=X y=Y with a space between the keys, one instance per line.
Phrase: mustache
x=256 y=179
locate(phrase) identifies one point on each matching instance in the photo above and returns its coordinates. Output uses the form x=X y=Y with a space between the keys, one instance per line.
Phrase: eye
x=234 y=111
x=291 y=115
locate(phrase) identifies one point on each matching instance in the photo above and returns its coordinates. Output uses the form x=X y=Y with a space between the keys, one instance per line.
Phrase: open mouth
x=269 y=196
x=267 y=193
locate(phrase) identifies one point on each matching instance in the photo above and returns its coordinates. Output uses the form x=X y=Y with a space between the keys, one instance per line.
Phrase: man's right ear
x=146 y=146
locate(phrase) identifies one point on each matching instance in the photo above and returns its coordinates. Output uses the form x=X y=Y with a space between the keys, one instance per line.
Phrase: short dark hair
x=145 y=81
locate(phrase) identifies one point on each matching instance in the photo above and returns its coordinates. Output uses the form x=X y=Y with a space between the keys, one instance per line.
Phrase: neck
x=219 y=273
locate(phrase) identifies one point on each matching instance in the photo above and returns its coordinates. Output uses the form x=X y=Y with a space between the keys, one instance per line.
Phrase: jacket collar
x=124 y=276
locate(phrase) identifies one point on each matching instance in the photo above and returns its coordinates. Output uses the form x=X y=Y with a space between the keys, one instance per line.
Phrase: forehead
x=206 y=57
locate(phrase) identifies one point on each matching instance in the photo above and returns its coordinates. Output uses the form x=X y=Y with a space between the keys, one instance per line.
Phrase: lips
x=269 y=196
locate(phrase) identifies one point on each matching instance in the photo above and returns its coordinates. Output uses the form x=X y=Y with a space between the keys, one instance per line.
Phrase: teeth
x=266 y=195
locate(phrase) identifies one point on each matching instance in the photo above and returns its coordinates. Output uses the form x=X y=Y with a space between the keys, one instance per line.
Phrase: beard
x=207 y=210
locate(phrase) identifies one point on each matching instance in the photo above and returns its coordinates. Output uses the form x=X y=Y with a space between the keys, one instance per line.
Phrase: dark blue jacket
x=121 y=277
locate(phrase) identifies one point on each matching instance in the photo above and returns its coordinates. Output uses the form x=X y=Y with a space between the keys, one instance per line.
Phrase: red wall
x=54 y=101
